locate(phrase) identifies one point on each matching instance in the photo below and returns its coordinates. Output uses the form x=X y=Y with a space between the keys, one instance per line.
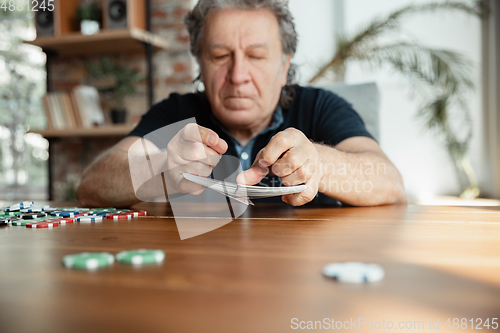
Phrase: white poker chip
x=35 y=209
x=90 y=218
x=21 y=205
x=354 y=272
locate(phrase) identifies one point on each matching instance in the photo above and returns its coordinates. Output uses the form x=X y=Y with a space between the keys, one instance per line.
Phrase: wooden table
x=257 y=273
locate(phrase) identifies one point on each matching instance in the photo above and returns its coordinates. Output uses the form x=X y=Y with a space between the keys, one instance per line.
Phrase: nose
x=239 y=72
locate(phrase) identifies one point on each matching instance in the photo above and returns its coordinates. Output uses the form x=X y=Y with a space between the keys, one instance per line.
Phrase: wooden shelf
x=106 y=41
x=105 y=131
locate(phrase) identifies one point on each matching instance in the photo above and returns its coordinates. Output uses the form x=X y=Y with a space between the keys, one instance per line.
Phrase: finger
x=299 y=199
x=291 y=161
x=277 y=146
x=186 y=186
x=196 y=133
x=253 y=175
x=195 y=168
x=299 y=176
x=198 y=152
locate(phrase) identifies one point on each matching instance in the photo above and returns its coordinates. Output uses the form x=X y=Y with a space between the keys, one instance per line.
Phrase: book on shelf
x=80 y=108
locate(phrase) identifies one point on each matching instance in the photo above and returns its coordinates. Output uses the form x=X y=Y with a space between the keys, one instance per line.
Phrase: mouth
x=236 y=97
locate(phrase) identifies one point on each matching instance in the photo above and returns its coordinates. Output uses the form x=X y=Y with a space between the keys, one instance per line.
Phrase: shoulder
x=176 y=107
x=176 y=101
x=315 y=99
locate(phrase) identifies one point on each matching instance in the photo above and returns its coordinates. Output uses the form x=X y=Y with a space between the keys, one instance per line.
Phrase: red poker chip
x=62 y=221
x=81 y=214
x=44 y=224
x=136 y=213
x=122 y=215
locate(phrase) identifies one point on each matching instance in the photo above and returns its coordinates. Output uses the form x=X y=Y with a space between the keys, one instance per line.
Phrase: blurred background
x=435 y=64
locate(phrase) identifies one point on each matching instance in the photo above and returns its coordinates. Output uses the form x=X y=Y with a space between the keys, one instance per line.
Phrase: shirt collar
x=275 y=123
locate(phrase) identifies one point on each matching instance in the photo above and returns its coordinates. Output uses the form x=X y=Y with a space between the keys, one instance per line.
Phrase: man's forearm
x=359 y=179
x=107 y=182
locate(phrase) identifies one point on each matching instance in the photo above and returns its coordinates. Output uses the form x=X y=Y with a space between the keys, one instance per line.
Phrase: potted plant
x=441 y=77
x=116 y=83
x=89 y=14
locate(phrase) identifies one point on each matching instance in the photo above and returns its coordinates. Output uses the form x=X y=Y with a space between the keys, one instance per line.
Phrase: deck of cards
x=243 y=193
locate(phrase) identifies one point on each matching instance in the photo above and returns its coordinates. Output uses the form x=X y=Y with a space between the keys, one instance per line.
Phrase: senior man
x=250 y=109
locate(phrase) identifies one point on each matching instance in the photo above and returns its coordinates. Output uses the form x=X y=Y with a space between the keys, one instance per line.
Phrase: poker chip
x=65 y=213
x=140 y=257
x=354 y=272
x=4 y=222
x=101 y=210
x=44 y=224
x=31 y=216
x=88 y=260
x=118 y=216
x=5 y=214
x=21 y=205
x=21 y=222
x=103 y=214
x=136 y=213
x=66 y=208
x=62 y=221
x=89 y=218
x=36 y=209
x=14 y=218
x=82 y=214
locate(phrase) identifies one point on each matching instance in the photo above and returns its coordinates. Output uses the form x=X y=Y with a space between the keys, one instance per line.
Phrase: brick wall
x=173 y=72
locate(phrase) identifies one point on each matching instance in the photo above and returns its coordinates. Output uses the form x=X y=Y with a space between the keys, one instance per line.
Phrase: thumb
x=253 y=175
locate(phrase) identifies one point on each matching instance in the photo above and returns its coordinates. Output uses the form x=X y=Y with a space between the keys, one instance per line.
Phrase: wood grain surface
x=256 y=273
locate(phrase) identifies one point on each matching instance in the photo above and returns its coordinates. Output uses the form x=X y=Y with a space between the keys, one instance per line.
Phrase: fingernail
x=211 y=139
x=263 y=163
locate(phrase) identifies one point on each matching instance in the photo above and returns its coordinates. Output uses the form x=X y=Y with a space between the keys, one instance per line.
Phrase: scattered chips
x=88 y=260
x=36 y=216
x=140 y=257
x=354 y=272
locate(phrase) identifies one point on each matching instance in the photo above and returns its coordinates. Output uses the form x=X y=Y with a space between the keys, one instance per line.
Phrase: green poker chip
x=140 y=257
x=88 y=260
x=103 y=210
x=7 y=214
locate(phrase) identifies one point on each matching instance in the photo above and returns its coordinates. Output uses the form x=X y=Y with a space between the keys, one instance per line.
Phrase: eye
x=255 y=57
x=221 y=56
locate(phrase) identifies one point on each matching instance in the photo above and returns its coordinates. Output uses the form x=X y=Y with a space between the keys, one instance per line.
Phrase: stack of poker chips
x=43 y=216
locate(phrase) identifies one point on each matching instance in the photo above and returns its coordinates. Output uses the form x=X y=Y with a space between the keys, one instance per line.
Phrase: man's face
x=242 y=66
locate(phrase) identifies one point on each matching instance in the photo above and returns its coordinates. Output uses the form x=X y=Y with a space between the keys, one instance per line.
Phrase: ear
x=285 y=67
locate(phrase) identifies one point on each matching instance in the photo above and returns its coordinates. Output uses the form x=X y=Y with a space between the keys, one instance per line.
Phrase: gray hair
x=195 y=20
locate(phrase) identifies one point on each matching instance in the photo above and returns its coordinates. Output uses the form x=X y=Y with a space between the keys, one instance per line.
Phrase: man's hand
x=294 y=159
x=196 y=150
